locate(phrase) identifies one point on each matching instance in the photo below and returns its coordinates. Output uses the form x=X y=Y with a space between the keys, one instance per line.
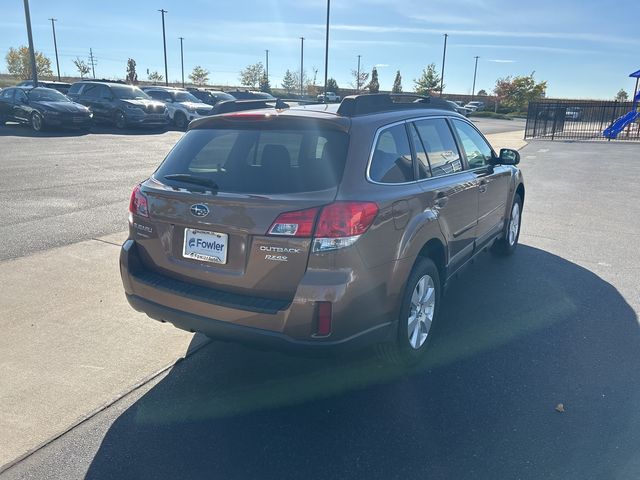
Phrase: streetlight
x=164 y=43
x=267 y=72
x=32 y=52
x=358 y=77
x=444 y=57
x=301 y=66
x=182 y=59
x=55 y=44
x=326 y=54
x=475 y=73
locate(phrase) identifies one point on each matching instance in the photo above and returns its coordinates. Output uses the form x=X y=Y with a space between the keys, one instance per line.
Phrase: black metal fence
x=577 y=120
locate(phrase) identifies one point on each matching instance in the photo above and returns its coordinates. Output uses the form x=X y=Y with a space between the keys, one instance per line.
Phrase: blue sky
x=584 y=49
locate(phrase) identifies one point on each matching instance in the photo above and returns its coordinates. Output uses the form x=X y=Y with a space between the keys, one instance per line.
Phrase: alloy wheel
x=421 y=312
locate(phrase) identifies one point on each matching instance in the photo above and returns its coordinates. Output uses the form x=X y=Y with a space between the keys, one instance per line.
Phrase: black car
x=210 y=97
x=42 y=107
x=62 y=87
x=250 y=95
x=120 y=104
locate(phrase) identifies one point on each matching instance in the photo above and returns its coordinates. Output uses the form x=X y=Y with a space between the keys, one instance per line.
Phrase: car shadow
x=517 y=337
x=22 y=130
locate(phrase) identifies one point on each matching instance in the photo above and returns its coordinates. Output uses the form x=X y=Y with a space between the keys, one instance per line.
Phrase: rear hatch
x=214 y=201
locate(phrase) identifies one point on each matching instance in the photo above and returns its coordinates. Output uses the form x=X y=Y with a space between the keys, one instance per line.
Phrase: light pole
x=358 y=77
x=475 y=73
x=444 y=57
x=267 y=72
x=164 y=43
x=326 y=54
x=55 y=44
x=32 y=52
x=301 y=66
x=182 y=60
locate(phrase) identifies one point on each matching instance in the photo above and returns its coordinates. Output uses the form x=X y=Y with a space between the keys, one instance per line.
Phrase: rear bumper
x=273 y=324
x=220 y=330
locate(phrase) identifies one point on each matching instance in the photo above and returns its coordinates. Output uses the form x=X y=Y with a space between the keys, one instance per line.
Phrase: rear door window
x=260 y=161
x=439 y=145
x=391 y=161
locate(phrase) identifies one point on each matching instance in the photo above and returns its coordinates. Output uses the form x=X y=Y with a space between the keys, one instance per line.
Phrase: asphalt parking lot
x=555 y=323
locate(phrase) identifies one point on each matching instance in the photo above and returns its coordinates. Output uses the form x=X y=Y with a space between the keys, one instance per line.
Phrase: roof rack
x=355 y=105
x=229 y=106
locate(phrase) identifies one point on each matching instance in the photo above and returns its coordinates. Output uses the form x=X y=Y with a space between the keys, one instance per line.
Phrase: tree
x=429 y=81
x=251 y=75
x=397 y=83
x=622 y=96
x=358 y=83
x=132 y=75
x=155 y=77
x=265 y=86
x=332 y=85
x=374 y=84
x=516 y=93
x=82 y=66
x=199 y=75
x=19 y=63
x=482 y=93
x=289 y=82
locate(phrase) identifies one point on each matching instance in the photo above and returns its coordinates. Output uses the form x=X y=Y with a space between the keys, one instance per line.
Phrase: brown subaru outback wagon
x=319 y=226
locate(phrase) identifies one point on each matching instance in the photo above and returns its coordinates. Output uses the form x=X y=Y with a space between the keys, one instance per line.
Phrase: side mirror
x=509 y=156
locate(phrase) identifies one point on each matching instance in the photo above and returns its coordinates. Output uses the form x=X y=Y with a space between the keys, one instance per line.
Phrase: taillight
x=346 y=219
x=138 y=204
x=295 y=224
x=339 y=225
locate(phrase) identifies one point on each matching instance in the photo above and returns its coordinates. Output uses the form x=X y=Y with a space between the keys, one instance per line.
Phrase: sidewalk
x=70 y=343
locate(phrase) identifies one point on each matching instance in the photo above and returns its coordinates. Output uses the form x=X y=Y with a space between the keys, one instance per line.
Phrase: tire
x=37 y=122
x=508 y=241
x=180 y=121
x=418 y=312
x=119 y=120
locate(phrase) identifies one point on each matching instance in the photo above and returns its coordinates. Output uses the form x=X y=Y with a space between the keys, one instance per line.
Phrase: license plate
x=205 y=246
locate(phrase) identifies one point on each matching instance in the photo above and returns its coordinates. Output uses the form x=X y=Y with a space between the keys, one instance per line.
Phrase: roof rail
x=355 y=105
x=229 y=106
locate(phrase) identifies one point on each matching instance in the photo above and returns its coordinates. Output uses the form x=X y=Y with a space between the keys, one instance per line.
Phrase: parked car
x=210 y=97
x=41 y=108
x=573 y=113
x=319 y=227
x=250 y=95
x=457 y=108
x=475 y=106
x=119 y=104
x=331 y=97
x=182 y=106
x=62 y=87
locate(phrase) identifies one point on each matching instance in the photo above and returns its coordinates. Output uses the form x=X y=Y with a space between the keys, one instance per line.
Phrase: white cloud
x=444 y=19
x=381 y=65
x=502 y=61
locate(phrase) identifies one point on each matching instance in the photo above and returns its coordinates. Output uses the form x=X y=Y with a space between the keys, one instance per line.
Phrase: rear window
x=260 y=161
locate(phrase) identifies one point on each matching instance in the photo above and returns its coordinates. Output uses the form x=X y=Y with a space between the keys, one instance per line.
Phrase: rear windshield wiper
x=194 y=180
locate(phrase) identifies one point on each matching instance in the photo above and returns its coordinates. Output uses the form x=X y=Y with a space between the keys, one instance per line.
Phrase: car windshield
x=126 y=92
x=184 y=97
x=251 y=160
x=46 y=95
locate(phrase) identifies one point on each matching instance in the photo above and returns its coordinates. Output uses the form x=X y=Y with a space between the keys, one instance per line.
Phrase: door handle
x=483 y=186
